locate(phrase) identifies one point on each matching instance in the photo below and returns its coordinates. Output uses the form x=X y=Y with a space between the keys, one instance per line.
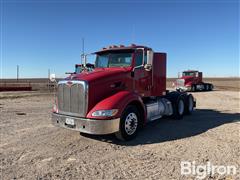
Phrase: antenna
x=82 y=46
x=83 y=54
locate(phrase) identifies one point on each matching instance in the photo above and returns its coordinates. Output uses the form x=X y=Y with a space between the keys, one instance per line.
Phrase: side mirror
x=150 y=57
x=52 y=78
x=148 y=67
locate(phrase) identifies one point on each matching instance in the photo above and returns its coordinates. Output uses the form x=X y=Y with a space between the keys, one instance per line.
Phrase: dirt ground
x=31 y=148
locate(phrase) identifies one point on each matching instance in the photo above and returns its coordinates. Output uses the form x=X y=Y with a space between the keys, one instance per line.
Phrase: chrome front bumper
x=89 y=126
x=183 y=88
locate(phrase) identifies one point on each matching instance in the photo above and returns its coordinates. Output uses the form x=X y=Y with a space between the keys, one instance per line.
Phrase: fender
x=117 y=101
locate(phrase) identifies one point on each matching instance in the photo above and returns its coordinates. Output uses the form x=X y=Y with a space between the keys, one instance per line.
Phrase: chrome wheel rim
x=131 y=123
x=180 y=107
x=190 y=104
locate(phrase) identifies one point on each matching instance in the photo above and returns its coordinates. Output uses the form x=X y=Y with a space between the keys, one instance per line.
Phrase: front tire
x=129 y=124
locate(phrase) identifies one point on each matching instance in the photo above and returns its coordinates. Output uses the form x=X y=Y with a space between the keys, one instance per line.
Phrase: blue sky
x=38 y=35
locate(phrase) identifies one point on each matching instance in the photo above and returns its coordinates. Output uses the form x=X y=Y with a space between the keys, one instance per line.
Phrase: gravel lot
x=31 y=148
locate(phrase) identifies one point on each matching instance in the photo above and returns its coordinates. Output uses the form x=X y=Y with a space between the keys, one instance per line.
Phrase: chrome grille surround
x=180 y=83
x=72 y=98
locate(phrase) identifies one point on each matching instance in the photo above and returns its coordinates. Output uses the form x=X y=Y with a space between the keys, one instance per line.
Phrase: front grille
x=72 y=98
x=180 y=83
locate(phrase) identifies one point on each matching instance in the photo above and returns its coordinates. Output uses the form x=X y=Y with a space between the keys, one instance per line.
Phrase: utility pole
x=17 y=72
x=49 y=73
x=48 y=82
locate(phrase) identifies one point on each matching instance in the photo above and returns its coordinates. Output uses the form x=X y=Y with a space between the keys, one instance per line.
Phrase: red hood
x=188 y=79
x=100 y=82
x=99 y=73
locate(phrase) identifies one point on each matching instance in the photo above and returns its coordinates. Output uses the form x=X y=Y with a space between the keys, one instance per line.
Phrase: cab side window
x=145 y=58
x=138 y=59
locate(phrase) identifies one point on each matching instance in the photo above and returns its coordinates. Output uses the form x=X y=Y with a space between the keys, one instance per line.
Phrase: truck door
x=142 y=78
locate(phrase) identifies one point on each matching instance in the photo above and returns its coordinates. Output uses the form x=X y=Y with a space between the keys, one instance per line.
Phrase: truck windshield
x=78 y=69
x=113 y=60
x=188 y=74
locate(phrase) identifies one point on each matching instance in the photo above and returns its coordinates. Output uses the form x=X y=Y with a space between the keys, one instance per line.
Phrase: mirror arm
x=136 y=67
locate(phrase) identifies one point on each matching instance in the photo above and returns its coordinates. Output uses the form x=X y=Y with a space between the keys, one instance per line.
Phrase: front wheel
x=129 y=124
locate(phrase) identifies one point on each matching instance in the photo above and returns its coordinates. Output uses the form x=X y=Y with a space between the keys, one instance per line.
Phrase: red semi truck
x=191 y=80
x=125 y=90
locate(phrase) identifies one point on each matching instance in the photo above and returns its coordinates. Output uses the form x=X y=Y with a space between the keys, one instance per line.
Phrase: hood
x=187 y=79
x=102 y=82
x=99 y=74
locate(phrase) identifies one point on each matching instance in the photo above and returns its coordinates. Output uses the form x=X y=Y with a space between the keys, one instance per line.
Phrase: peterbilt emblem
x=69 y=83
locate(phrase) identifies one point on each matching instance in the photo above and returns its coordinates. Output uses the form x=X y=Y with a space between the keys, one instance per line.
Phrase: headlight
x=105 y=113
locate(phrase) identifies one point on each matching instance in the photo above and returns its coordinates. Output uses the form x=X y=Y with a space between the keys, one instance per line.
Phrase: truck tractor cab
x=125 y=90
x=191 y=80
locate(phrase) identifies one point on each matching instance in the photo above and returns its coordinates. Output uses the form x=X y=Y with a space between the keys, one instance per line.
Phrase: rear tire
x=178 y=108
x=189 y=104
x=193 y=88
x=206 y=87
x=129 y=124
x=210 y=87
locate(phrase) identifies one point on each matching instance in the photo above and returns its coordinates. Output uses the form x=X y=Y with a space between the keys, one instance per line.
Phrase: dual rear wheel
x=206 y=87
x=182 y=105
